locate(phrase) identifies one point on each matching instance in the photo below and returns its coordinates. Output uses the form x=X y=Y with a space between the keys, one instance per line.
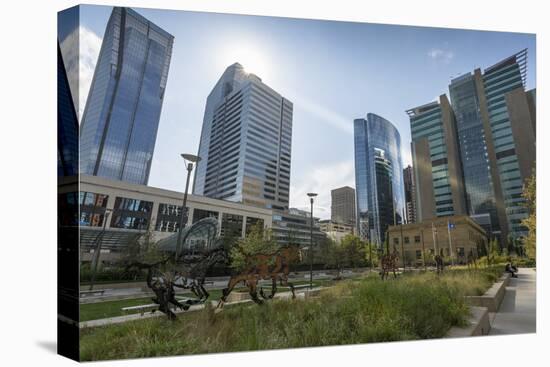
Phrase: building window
x=199 y=214
x=131 y=213
x=396 y=241
x=92 y=208
x=168 y=218
x=418 y=255
x=406 y=239
x=460 y=251
x=232 y=225
x=416 y=239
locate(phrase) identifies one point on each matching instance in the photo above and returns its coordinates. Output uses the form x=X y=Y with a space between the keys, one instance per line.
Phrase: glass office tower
x=511 y=126
x=121 y=117
x=378 y=177
x=478 y=183
x=436 y=161
x=67 y=123
x=245 y=142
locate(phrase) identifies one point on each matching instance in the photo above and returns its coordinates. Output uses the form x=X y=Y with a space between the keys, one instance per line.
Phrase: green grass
x=412 y=307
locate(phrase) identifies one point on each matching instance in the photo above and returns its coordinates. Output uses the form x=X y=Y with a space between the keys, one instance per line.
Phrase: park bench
x=97 y=292
x=149 y=307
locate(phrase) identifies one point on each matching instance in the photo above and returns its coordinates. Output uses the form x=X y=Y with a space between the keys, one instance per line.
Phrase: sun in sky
x=252 y=57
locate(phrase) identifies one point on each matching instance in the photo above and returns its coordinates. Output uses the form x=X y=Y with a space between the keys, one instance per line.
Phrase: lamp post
x=97 y=250
x=189 y=159
x=311 y=196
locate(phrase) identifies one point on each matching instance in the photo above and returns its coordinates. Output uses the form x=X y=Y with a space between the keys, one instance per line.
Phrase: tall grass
x=413 y=307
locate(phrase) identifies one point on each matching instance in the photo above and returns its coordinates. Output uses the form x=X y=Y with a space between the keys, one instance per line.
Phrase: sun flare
x=252 y=58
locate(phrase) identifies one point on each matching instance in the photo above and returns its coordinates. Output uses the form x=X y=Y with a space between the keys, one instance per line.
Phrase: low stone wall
x=493 y=297
x=478 y=324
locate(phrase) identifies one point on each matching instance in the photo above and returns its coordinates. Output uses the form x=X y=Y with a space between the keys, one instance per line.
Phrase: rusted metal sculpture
x=274 y=266
x=388 y=263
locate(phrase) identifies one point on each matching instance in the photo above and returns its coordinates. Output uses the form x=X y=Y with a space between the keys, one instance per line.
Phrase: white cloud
x=440 y=54
x=90 y=44
x=321 y=180
x=80 y=51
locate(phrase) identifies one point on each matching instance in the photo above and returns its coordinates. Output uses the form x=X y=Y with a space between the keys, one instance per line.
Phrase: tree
x=258 y=240
x=143 y=250
x=333 y=255
x=371 y=255
x=353 y=250
x=530 y=195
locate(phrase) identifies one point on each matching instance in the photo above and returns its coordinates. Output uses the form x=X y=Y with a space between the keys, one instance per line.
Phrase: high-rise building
x=378 y=177
x=121 y=117
x=67 y=123
x=342 y=209
x=245 y=142
x=436 y=162
x=410 y=194
x=484 y=150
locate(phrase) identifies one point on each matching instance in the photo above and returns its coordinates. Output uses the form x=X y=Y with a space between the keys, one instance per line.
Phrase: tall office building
x=378 y=177
x=410 y=194
x=488 y=146
x=245 y=142
x=342 y=209
x=496 y=130
x=121 y=117
x=436 y=161
x=67 y=123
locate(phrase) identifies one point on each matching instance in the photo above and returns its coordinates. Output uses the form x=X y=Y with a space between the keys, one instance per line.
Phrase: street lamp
x=311 y=196
x=97 y=250
x=189 y=159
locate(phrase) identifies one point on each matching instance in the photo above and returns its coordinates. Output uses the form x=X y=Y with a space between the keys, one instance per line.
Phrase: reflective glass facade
x=378 y=177
x=120 y=121
x=499 y=80
x=67 y=123
x=478 y=184
x=245 y=142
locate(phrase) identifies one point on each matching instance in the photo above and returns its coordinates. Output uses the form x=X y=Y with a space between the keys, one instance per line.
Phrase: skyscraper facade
x=245 y=142
x=122 y=113
x=484 y=150
x=342 y=209
x=67 y=123
x=410 y=194
x=378 y=177
x=436 y=163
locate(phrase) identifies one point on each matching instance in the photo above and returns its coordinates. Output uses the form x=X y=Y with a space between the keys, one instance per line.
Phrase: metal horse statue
x=163 y=285
x=188 y=268
x=389 y=263
x=198 y=266
x=274 y=266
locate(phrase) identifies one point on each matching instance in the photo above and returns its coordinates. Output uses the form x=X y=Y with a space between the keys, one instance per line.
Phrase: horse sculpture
x=274 y=266
x=389 y=263
x=196 y=267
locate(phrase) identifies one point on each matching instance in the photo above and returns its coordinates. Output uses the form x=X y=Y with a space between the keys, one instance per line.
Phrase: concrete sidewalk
x=517 y=312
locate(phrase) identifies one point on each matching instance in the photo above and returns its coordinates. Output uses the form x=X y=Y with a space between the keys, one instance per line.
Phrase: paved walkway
x=517 y=312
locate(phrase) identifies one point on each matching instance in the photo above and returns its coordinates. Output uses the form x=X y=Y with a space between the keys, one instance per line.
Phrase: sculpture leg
x=273 y=286
x=233 y=281
x=253 y=290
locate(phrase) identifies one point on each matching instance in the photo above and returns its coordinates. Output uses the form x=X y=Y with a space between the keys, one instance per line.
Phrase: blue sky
x=333 y=72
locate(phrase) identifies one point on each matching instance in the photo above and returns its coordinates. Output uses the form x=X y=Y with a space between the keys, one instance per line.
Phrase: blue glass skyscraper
x=120 y=121
x=378 y=177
